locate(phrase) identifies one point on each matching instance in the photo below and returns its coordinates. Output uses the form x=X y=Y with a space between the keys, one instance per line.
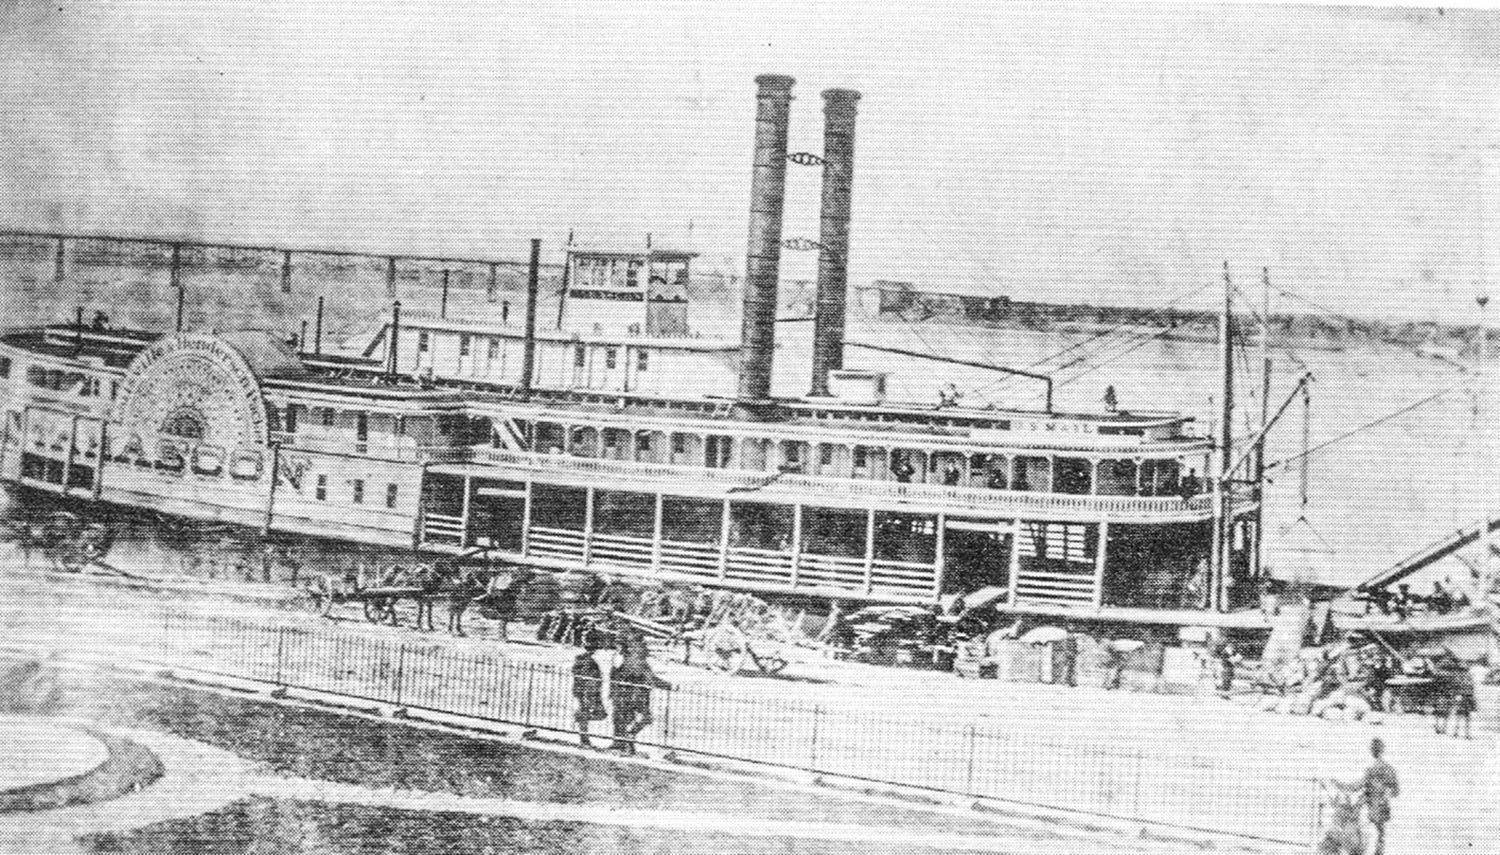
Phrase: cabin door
x=497 y=510
x=976 y=554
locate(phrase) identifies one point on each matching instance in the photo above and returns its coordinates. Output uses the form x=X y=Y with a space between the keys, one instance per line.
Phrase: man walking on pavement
x=1380 y=786
x=588 y=690
x=630 y=685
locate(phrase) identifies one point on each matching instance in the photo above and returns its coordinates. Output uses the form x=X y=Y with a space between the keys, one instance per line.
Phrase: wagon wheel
x=770 y=661
x=319 y=597
x=727 y=648
x=769 y=650
x=377 y=609
x=318 y=601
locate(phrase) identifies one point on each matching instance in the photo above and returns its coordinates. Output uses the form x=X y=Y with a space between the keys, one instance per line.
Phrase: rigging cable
x=1350 y=319
x=1383 y=419
x=1118 y=329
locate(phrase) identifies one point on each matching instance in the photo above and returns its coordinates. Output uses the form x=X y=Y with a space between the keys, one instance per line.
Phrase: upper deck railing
x=792 y=486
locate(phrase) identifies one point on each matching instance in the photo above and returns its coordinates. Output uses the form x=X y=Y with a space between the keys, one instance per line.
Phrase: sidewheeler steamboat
x=574 y=448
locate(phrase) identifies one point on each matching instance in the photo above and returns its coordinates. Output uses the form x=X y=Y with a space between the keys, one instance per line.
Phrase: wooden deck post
x=724 y=542
x=526 y=522
x=1099 y=563
x=796 y=541
x=1015 y=558
x=72 y=452
x=463 y=529
x=869 y=550
x=588 y=524
x=939 y=562
x=419 y=518
x=99 y=467
x=656 y=535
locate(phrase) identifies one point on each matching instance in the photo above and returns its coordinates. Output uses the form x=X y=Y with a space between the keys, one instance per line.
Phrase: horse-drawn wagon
x=378 y=602
x=734 y=630
x=423 y=586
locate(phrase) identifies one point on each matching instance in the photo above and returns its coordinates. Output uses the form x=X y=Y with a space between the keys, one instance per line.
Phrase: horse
x=467 y=590
x=498 y=601
x=430 y=581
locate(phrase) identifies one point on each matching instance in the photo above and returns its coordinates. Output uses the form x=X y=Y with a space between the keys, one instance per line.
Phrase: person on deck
x=1403 y=602
x=902 y=469
x=1190 y=486
x=952 y=474
x=1228 y=657
x=1440 y=601
x=1377 y=679
x=1022 y=484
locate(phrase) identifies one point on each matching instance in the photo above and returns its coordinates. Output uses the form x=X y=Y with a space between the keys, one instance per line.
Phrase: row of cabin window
x=611 y=358
x=289 y=418
x=607 y=273
x=580 y=353
x=59 y=380
x=356 y=491
x=1030 y=473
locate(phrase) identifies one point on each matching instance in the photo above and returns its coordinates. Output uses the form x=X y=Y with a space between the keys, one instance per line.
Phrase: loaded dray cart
x=378 y=603
x=731 y=641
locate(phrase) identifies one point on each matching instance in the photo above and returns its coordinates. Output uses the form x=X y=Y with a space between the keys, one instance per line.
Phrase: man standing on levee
x=630 y=685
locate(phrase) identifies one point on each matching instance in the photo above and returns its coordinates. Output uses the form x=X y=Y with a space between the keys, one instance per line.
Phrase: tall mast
x=1483 y=417
x=1219 y=566
x=1257 y=556
x=1485 y=378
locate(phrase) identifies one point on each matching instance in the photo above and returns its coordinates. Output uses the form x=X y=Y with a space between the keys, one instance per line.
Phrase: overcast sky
x=1114 y=154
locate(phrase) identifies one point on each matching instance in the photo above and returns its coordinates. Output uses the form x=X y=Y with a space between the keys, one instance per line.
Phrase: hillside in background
x=263 y=288
x=904 y=302
x=235 y=288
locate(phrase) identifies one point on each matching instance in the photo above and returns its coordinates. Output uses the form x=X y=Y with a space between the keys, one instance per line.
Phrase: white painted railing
x=747 y=484
x=442 y=527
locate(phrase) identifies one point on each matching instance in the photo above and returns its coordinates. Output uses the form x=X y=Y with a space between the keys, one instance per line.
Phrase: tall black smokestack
x=763 y=256
x=839 y=108
x=528 y=356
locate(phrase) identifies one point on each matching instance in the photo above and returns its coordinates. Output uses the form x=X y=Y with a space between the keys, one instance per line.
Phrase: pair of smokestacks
x=763 y=256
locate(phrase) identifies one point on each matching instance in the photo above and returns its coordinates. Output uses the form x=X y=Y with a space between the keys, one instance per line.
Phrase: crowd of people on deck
x=1402 y=603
